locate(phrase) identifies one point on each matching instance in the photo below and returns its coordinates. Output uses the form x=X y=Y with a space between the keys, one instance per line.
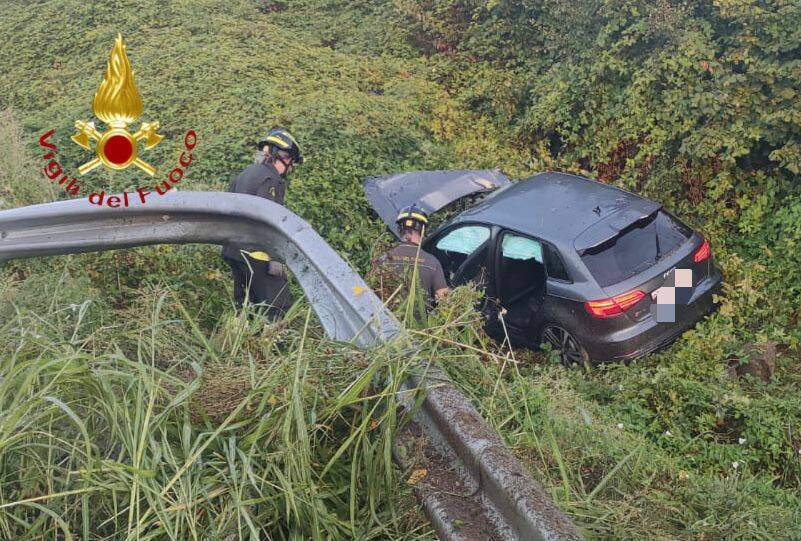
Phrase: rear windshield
x=637 y=248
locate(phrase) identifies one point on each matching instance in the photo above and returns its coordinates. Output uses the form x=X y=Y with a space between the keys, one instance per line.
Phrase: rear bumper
x=648 y=336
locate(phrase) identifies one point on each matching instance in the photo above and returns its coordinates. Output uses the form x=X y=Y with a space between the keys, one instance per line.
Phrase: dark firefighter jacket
x=260 y=179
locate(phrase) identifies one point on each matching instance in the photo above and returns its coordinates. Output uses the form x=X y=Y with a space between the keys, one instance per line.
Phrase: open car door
x=429 y=190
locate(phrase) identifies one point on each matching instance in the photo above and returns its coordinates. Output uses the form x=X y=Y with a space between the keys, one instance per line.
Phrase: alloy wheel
x=570 y=351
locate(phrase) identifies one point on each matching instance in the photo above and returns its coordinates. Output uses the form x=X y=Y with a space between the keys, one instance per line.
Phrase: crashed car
x=597 y=272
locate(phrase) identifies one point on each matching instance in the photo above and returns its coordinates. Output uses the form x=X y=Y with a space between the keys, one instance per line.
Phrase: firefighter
x=261 y=281
x=408 y=257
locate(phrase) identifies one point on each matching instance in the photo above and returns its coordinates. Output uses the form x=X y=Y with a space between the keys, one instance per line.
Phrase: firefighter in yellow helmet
x=407 y=255
x=261 y=281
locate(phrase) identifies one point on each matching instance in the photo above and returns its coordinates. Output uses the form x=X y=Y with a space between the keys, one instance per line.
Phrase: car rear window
x=636 y=248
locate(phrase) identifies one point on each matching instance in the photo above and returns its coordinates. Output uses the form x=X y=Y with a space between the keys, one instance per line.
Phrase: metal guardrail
x=345 y=305
x=474 y=488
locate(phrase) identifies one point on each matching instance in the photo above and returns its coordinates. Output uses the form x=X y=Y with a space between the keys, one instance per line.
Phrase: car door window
x=464 y=240
x=521 y=268
x=521 y=248
x=459 y=244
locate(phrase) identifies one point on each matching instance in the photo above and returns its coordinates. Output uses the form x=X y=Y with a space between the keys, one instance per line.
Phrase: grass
x=615 y=478
x=169 y=431
x=166 y=430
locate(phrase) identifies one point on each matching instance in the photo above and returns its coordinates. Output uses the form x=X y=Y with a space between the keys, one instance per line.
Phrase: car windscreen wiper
x=658 y=249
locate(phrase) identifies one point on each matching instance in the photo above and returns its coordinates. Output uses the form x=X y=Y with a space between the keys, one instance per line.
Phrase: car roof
x=556 y=207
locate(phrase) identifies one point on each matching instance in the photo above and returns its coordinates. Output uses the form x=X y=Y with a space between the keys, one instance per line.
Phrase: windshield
x=636 y=248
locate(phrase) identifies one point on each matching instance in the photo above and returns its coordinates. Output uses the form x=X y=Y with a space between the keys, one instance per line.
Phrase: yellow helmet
x=412 y=218
x=280 y=139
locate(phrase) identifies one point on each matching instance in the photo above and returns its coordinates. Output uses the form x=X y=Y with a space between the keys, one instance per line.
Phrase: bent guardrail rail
x=476 y=489
x=344 y=304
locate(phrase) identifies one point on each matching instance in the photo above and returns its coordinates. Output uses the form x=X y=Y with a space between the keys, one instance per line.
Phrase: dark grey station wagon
x=597 y=272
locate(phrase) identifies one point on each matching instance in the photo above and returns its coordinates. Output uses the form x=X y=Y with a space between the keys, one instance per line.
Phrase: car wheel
x=570 y=350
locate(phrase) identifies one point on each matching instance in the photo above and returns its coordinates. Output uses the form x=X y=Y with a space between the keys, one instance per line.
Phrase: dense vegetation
x=135 y=422
x=693 y=104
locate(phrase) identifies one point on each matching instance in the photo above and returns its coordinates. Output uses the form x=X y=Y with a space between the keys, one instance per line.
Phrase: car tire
x=570 y=349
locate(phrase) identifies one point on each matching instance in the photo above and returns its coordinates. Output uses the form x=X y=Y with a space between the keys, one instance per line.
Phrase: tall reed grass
x=141 y=424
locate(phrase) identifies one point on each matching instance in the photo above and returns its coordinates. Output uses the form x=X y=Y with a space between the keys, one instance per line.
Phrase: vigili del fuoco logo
x=117 y=104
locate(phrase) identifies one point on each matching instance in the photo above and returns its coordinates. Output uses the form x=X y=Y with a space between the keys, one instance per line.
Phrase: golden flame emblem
x=117 y=103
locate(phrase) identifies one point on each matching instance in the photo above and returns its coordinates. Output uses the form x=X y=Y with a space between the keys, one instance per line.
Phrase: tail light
x=703 y=252
x=614 y=306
